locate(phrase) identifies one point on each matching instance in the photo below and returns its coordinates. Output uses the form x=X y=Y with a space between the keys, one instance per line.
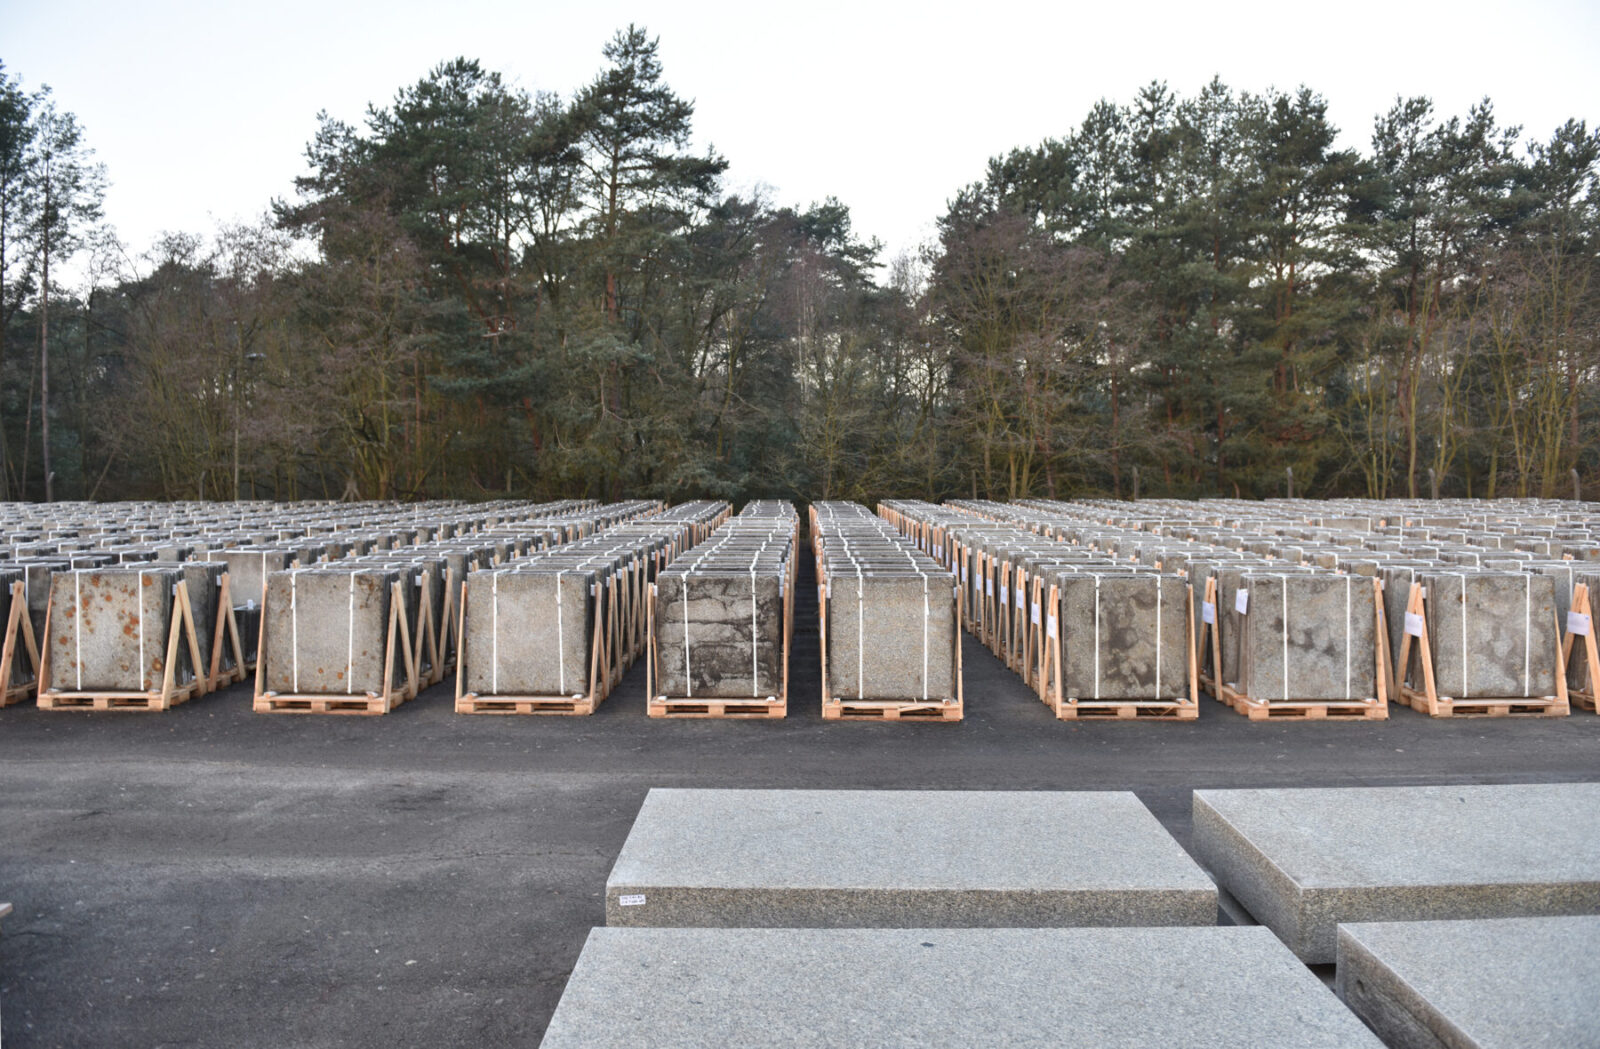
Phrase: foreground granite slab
x=1508 y=983
x=1303 y=861
x=1213 y=988
x=906 y=859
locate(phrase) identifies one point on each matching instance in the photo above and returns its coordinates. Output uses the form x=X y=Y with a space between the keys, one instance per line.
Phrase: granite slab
x=1303 y=861
x=1212 y=988
x=1506 y=983
x=873 y=859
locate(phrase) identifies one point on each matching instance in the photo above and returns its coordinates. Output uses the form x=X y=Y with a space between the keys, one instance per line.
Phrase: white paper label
x=1005 y=593
x=631 y=901
x=991 y=587
x=1208 y=612
x=1019 y=598
x=1578 y=623
x=1241 y=602
x=1036 y=613
x=1050 y=626
x=1414 y=624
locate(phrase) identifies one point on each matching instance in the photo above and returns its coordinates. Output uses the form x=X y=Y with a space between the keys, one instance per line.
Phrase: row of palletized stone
x=889 y=624
x=1456 y=608
x=152 y=604
x=1093 y=636
x=722 y=620
x=554 y=632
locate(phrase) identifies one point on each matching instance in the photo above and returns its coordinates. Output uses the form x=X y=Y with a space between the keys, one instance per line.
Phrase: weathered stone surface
x=1217 y=988
x=328 y=631
x=109 y=628
x=1303 y=861
x=719 y=634
x=800 y=858
x=1508 y=983
x=1309 y=637
x=1492 y=633
x=529 y=633
x=1123 y=636
x=891 y=635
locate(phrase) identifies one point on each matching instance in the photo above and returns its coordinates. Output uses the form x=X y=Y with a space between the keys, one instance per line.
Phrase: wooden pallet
x=890 y=710
x=1127 y=710
x=1428 y=700
x=398 y=645
x=1309 y=710
x=170 y=694
x=275 y=703
x=18 y=638
x=152 y=701
x=668 y=707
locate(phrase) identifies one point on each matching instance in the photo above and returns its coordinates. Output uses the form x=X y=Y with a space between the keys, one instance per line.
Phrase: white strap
x=350 y=650
x=1285 y=609
x=77 y=584
x=1527 y=637
x=494 y=633
x=1159 y=588
x=1096 y=637
x=561 y=641
x=294 y=632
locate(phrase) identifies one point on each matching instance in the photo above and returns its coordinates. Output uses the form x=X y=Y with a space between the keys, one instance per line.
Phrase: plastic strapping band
x=1465 y=659
x=77 y=584
x=1527 y=638
x=1158 y=637
x=926 y=613
x=1349 y=626
x=561 y=642
x=294 y=632
x=861 y=627
x=1096 y=637
x=350 y=633
x=1285 y=608
x=494 y=633
x=688 y=682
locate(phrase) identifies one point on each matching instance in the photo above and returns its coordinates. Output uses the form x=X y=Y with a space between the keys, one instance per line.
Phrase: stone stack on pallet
x=554 y=632
x=1502 y=569
x=1093 y=635
x=722 y=618
x=890 y=621
x=388 y=614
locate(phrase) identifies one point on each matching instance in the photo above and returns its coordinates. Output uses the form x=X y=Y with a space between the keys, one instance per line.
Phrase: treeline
x=479 y=291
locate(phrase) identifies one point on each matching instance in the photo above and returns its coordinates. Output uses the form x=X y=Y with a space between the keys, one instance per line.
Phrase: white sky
x=201 y=111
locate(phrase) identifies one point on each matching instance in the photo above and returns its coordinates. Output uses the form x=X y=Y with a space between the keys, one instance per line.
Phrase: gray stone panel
x=803 y=858
x=1303 y=861
x=1216 y=988
x=1509 y=983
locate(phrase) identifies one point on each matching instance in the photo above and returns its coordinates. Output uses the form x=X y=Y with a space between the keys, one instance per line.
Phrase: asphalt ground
x=214 y=877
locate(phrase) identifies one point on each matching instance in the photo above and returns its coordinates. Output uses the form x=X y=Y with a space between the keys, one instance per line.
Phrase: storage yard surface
x=213 y=877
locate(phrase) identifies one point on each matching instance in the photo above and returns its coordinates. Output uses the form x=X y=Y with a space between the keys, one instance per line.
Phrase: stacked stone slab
x=1093 y=630
x=921 y=859
x=1506 y=983
x=1304 y=861
x=553 y=632
x=722 y=620
x=890 y=623
x=121 y=637
x=391 y=610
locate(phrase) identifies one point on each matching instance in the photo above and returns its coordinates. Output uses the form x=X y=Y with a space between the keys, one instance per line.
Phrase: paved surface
x=213 y=877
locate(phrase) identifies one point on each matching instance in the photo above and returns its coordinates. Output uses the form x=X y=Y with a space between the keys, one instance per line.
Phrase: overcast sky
x=201 y=111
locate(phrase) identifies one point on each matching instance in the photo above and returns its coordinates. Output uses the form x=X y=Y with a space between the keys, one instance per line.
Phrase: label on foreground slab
x=631 y=901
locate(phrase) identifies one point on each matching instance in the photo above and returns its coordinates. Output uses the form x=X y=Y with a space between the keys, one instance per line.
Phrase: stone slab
x=1213 y=988
x=1303 y=861
x=1123 y=636
x=1310 y=636
x=1508 y=983
x=874 y=859
x=719 y=633
x=892 y=635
